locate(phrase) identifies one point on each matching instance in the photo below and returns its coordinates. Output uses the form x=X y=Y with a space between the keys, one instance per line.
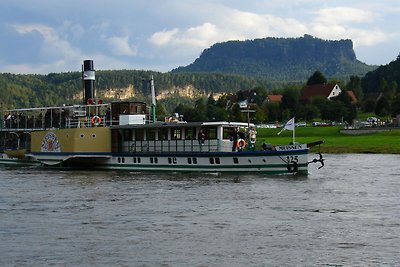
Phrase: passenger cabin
x=131 y=132
x=181 y=137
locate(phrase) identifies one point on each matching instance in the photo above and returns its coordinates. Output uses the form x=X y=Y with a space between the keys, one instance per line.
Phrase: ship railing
x=35 y=124
x=171 y=146
x=55 y=117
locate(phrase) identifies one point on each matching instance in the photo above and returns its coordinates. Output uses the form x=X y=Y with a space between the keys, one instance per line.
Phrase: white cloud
x=53 y=45
x=199 y=36
x=120 y=46
x=348 y=23
x=164 y=37
x=234 y=25
x=343 y=15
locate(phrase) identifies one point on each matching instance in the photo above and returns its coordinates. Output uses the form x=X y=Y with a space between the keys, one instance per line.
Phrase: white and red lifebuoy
x=96 y=121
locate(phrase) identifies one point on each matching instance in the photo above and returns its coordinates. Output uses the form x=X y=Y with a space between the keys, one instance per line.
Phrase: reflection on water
x=345 y=214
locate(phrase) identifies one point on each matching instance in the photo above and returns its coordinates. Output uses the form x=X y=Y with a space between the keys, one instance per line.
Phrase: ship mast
x=153 y=99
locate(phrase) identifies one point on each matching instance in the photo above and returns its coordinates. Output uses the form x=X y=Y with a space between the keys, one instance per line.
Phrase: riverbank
x=385 y=142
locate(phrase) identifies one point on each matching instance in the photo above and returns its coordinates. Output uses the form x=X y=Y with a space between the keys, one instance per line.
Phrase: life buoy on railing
x=241 y=143
x=96 y=120
x=253 y=136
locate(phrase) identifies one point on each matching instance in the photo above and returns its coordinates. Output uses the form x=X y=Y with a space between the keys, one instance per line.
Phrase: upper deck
x=129 y=126
x=75 y=116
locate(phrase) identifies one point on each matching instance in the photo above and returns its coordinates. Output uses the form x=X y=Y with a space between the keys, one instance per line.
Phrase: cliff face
x=280 y=58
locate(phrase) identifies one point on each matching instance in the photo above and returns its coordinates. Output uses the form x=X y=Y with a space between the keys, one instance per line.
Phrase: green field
x=387 y=142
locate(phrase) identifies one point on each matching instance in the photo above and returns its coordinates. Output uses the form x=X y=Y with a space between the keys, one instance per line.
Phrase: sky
x=45 y=36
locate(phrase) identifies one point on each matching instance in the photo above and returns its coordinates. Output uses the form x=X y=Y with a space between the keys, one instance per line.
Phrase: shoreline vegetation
x=336 y=142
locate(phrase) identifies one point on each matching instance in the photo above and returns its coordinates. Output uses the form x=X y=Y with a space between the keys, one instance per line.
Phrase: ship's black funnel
x=88 y=81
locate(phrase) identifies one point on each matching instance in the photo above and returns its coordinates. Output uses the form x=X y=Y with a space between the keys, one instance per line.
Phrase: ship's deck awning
x=183 y=124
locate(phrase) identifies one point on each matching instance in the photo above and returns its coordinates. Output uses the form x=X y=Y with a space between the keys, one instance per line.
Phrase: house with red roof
x=328 y=91
x=274 y=98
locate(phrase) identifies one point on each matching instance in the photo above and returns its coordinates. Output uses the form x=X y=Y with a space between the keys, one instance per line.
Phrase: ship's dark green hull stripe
x=162 y=154
x=277 y=169
x=214 y=154
x=194 y=166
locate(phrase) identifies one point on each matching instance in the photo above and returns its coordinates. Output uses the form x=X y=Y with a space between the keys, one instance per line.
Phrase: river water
x=345 y=214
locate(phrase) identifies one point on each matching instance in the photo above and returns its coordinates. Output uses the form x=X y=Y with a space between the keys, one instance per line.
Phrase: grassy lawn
x=334 y=141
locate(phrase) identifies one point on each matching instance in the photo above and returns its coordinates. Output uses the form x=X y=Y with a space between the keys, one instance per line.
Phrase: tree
x=187 y=112
x=355 y=85
x=290 y=100
x=396 y=106
x=350 y=112
x=236 y=114
x=382 y=107
x=272 y=110
x=200 y=110
x=260 y=115
x=161 y=111
x=316 y=78
x=308 y=112
x=260 y=95
x=334 y=111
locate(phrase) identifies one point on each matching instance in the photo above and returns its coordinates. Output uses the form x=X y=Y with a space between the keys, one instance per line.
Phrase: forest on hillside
x=281 y=59
x=22 y=91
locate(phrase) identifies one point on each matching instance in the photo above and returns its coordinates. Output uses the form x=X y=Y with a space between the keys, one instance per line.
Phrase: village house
x=328 y=91
x=274 y=98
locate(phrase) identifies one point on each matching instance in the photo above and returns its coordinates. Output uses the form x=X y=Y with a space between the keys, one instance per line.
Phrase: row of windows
x=173 y=160
x=187 y=133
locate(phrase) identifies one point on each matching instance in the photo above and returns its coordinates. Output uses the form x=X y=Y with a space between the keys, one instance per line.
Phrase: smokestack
x=88 y=79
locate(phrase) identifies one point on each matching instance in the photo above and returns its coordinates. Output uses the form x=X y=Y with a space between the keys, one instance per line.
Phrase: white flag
x=288 y=126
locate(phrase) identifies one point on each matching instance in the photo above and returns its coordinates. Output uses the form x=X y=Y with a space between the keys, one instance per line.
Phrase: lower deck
x=257 y=162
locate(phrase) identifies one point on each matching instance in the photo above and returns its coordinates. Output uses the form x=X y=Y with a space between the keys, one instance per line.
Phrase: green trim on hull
x=269 y=169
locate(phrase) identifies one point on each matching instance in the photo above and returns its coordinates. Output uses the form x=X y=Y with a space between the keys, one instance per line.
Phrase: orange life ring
x=96 y=120
x=241 y=143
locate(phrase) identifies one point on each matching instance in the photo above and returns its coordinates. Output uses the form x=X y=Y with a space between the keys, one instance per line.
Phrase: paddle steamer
x=124 y=135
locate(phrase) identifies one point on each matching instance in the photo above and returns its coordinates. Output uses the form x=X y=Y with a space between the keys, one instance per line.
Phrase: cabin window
x=228 y=132
x=155 y=160
x=139 y=134
x=164 y=134
x=190 y=133
x=127 y=135
x=137 y=108
x=192 y=160
x=217 y=161
x=236 y=160
x=176 y=134
x=124 y=108
x=151 y=134
x=151 y=160
x=211 y=160
x=172 y=160
x=211 y=133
